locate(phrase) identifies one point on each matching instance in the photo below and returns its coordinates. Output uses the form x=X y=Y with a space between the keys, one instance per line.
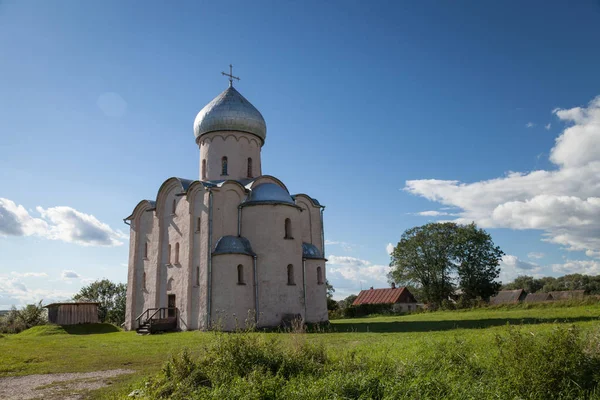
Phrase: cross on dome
x=230 y=75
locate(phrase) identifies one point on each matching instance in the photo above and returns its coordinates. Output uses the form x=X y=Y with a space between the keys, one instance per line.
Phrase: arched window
x=174 y=206
x=146 y=250
x=290 y=274
x=319 y=276
x=169 y=254
x=224 y=166
x=204 y=169
x=197 y=276
x=240 y=271
x=177 y=253
x=288 y=229
x=249 y=167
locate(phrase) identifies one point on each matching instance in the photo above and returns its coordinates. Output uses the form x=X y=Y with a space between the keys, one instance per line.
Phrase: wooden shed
x=73 y=313
x=401 y=299
x=538 y=297
x=508 y=297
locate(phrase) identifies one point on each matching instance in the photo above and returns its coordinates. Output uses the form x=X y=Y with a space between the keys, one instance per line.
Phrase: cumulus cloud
x=529 y=125
x=66 y=274
x=433 y=213
x=537 y=256
x=511 y=267
x=350 y=273
x=564 y=203
x=389 y=248
x=14 y=292
x=587 y=267
x=57 y=223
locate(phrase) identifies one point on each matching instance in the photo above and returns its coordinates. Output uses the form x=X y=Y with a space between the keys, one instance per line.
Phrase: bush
x=562 y=364
x=16 y=321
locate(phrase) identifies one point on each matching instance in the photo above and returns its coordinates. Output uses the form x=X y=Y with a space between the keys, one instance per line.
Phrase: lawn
x=51 y=349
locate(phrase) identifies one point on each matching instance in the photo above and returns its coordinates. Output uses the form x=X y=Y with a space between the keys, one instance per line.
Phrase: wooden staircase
x=154 y=320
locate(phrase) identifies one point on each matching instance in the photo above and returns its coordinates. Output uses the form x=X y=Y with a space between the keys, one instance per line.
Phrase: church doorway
x=171 y=304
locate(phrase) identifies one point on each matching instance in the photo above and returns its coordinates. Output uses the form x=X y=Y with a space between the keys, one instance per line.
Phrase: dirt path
x=70 y=386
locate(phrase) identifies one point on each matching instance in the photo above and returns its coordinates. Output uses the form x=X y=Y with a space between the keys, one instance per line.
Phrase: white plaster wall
x=237 y=147
x=264 y=226
x=198 y=242
x=232 y=303
x=226 y=200
x=316 y=294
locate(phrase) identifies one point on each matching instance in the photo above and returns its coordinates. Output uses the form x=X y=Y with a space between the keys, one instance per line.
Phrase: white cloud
x=349 y=274
x=433 y=213
x=529 y=125
x=344 y=245
x=389 y=248
x=564 y=203
x=548 y=126
x=29 y=274
x=537 y=256
x=57 y=223
x=66 y=274
x=511 y=267
x=587 y=267
x=14 y=292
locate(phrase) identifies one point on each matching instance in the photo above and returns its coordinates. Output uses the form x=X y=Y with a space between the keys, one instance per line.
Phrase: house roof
x=568 y=294
x=81 y=303
x=508 y=296
x=537 y=297
x=380 y=296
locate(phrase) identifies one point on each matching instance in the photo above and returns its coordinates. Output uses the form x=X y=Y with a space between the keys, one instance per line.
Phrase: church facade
x=231 y=248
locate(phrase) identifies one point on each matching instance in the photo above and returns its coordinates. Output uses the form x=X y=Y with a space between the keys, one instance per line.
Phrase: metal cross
x=230 y=75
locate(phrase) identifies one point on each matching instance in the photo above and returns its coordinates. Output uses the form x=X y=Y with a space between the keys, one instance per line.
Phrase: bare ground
x=70 y=386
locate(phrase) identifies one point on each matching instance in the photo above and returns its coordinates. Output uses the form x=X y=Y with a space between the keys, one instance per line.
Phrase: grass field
x=52 y=349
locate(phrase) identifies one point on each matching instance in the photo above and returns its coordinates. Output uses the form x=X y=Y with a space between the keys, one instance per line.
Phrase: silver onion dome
x=230 y=111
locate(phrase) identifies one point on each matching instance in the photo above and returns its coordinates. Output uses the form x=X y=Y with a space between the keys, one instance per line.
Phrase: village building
x=538 y=297
x=568 y=295
x=400 y=299
x=230 y=248
x=73 y=313
x=508 y=297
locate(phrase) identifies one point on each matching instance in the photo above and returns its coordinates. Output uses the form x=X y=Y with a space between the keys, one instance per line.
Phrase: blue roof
x=233 y=245
x=269 y=193
x=311 y=251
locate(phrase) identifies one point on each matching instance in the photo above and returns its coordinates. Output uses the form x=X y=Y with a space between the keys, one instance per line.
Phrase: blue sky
x=463 y=110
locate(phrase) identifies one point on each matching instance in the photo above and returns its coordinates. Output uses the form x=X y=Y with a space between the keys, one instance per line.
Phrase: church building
x=231 y=248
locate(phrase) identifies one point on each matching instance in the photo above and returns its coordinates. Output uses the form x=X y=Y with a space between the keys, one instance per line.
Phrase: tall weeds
x=562 y=364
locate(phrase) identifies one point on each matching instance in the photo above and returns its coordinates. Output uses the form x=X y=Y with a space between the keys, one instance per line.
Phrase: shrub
x=16 y=321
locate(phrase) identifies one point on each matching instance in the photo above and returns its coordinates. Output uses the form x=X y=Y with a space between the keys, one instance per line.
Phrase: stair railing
x=163 y=313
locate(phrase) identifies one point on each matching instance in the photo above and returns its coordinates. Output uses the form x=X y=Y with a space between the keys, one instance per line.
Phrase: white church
x=232 y=248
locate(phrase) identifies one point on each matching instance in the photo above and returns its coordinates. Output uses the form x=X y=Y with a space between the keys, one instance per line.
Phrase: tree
x=347 y=302
x=437 y=258
x=111 y=297
x=478 y=263
x=331 y=303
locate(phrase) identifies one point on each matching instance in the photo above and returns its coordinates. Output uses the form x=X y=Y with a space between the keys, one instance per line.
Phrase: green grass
x=53 y=349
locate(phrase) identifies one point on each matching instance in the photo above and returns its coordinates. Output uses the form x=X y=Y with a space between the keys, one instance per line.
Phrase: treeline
x=591 y=284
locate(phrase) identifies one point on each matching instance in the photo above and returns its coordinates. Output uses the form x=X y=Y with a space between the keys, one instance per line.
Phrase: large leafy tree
x=439 y=257
x=110 y=295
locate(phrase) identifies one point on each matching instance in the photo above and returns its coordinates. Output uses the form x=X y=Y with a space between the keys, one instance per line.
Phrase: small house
x=508 y=297
x=401 y=299
x=538 y=297
x=568 y=295
x=73 y=313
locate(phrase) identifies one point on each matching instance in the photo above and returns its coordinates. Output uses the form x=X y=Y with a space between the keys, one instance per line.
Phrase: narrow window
x=288 y=229
x=240 y=270
x=146 y=250
x=177 y=253
x=319 y=276
x=224 y=166
x=174 y=206
x=197 y=276
x=169 y=254
x=198 y=225
x=249 y=167
x=204 y=169
x=290 y=273
x=144 y=281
